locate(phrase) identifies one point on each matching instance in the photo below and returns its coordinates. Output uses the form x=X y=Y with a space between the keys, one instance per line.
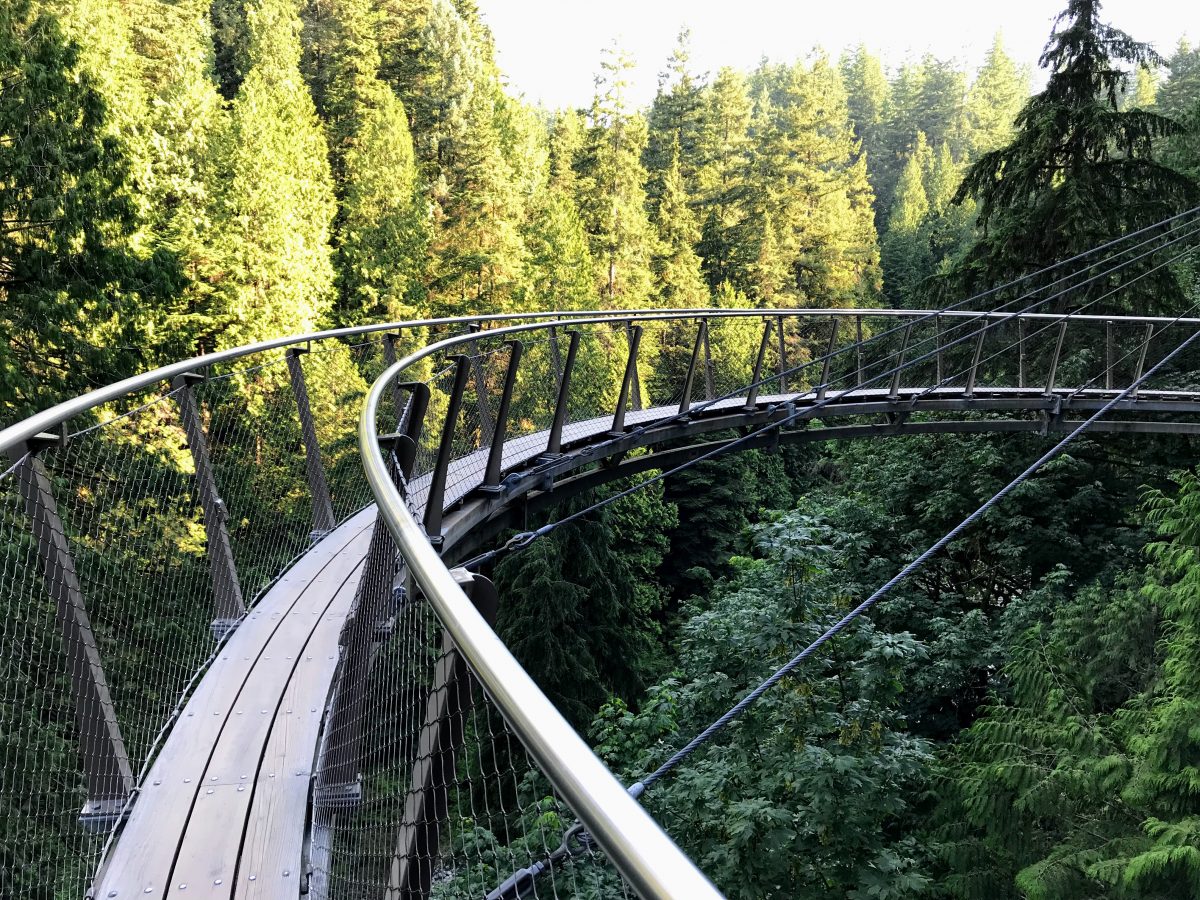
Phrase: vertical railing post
x=491 y=477
x=314 y=468
x=338 y=785
x=426 y=806
x=756 y=377
x=1108 y=355
x=858 y=353
x=563 y=400
x=102 y=754
x=710 y=381
x=389 y=360
x=1050 y=376
x=828 y=359
x=783 y=366
x=436 y=497
x=635 y=384
x=970 y=389
x=486 y=424
x=556 y=356
x=228 y=605
x=685 y=400
x=1141 y=363
x=628 y=382
x=898 y=364
x=937 y=328
x=1021 y=351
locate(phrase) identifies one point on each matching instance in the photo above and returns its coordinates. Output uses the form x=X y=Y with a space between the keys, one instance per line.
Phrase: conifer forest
x=1020 y=721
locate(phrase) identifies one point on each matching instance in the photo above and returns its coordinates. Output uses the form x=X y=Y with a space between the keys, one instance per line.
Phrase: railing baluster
x=828 y=360
x=491 y=478
x=858 y=345
x=756 y=377
x=556 y=356
x=562 y=402
x=1020 y=351
x=782 y=358
x=1050 y=376
x=969 y=392
x=685 y=400
x=102 y=753
x=894 y=390
x=1108 y=355
x=437 y=481
x=937 y=327
x=228 y=605
x=710 y=383
x=389 y=360
x=636 y=383
x=628 y=383
x=1141 y=363
x=314 y=468
x=487 y=425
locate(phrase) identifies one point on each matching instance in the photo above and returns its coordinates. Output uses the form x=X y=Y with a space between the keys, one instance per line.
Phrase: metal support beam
x=437 y=480
x=556 y=357
x=228 y=605
x=710 y=382
x=858 y=354
x=937 y=337
x=782 y=358
x=1021 y=351
x=491 y=477
x=1141 y=363
x=628 y=383
x=314 y=468
x=685 y=400
x=1062 y=333
x=756 y=376
x=389 y=360
x=487 y=426
x=636 y=384
x=563 y=400
x=102 y=754
x=828 y=359
x=970 y=388
x=425 y=808
x=1108 y=355
x=898 y=363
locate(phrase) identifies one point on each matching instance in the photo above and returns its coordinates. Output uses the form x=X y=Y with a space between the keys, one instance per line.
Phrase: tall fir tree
x=903 y=254
x=679 y=281
x=612 y=194
x=994 y=99
x=1080 y=171
x=674 y=120
x=277 y=208
x=867 y=99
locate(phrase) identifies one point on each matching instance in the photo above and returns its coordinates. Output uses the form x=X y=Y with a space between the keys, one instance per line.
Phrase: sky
x=550 y=49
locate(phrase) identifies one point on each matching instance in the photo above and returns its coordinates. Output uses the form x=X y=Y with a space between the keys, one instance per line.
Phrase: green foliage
x=1080 y=170
x=806 y=810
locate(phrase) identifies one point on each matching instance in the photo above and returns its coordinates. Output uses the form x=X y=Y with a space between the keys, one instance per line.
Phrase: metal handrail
x=50 y=418
x=641 y=851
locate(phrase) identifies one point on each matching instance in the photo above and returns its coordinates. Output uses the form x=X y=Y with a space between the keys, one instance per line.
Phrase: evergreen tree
x=612 y=195
x=558 y=265
x=679 y=282
x=380 y=228
x=76 y=295
x=903 y=254
x=867 y=98
x=996 y=96
x=674 y=124
x=277 y=208
x=724 y=157
x=1080 y=171
x=1179 y=97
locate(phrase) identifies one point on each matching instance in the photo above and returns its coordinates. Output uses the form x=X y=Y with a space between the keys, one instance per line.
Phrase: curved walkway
x=223 y=810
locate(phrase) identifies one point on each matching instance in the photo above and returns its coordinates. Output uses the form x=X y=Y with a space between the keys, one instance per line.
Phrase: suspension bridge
x=248 y=644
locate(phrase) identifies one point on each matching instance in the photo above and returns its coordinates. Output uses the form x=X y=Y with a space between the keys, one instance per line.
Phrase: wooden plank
x=141 y=857
x=274 y=838
x=211 y=844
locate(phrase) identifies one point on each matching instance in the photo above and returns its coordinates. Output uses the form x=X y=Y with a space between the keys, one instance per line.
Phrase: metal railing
x=139 y=523
x=462 y=429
